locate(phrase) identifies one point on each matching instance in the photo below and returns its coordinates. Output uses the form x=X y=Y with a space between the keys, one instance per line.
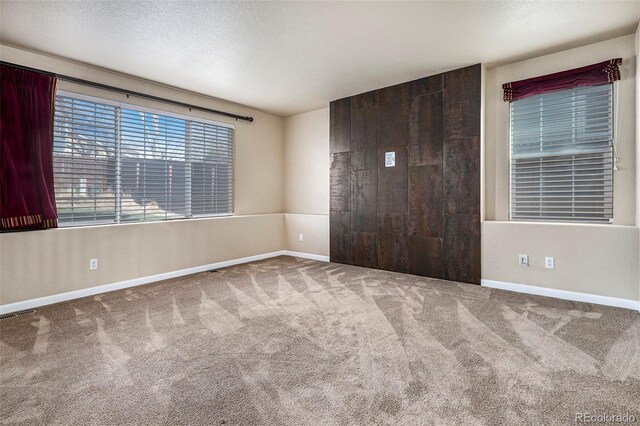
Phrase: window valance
x=590 y=75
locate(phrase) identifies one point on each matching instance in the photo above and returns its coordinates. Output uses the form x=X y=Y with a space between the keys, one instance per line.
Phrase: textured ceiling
x=290 y=57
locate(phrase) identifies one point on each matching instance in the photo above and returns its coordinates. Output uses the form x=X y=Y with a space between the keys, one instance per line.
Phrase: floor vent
x=17 y=314
x=212 y=270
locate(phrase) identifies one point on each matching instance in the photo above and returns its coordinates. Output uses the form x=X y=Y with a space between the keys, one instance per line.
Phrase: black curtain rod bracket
x=130 y=92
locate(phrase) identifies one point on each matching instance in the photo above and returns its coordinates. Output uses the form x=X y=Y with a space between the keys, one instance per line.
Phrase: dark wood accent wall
x=423 y=215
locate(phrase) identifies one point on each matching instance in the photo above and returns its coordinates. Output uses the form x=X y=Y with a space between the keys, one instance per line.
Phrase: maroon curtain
x=27 y=199
x=591 y=75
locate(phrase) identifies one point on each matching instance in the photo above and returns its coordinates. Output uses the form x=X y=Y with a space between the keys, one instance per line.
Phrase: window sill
x=559 y=224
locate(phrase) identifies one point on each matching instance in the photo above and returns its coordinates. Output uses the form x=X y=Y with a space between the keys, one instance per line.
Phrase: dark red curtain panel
x=591 y=75
x=27 y=199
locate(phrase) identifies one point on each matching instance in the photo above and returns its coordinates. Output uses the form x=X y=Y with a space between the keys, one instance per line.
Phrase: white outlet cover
x=300 y=237
x=549 y=262
x=93 y=264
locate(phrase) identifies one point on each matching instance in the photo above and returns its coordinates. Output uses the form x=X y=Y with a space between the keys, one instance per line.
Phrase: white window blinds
x=561 y=156
x=153 y=166
x=116 y=164
x=84 y=161
x=211 y=171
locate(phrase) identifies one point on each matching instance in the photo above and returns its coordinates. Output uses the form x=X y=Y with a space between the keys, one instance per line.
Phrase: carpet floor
x=289 y=341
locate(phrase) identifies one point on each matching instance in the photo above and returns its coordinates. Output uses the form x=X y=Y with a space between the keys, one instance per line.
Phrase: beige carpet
x=292 y=342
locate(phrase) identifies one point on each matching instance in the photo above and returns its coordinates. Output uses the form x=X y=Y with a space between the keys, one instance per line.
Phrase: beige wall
x=306 y=151
x=282 y=165
x=600 y=260
x=596 y=259
x=306 y=182
x=41 y=263
x=315 y=231
x=637 y=40
x=497 y=122
x=259 y=160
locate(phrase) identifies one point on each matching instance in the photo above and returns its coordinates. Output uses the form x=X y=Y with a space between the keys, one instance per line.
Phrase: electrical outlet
x=93 y=264
x=300 y=237
x=549 y=262
x=523 y=260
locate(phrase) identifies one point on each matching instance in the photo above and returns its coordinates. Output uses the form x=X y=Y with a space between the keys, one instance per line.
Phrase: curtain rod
x=128 y=92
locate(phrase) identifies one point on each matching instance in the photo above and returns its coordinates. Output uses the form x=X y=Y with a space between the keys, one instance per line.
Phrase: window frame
x=145 y=109
x=573 y=220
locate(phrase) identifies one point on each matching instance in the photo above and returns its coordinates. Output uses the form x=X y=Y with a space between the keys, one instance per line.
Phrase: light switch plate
x=390 y=159
x=523 y=260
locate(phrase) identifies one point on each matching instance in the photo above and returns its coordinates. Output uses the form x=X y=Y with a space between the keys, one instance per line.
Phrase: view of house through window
x=118 y=163
x=562 y=156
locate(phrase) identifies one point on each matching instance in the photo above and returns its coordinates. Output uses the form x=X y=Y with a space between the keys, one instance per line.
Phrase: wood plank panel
x=340 y=128
x=365 y=249
x=461 y=102
x=392 y=181
x=340 y=182
x=340 y=237
x=394 y=94
x=364 y=131
x=364 y=200
x=392 y=242
x=426 y=85
x=462 y=176
x=461 y=181
x=421 y=216
x=425 y=256
x=461 y=248
x=393 y=116
x=425 y=202
x=426 y=130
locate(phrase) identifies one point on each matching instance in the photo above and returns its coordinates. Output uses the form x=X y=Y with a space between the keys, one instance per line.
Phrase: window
x=562 y=156
x=116 y=163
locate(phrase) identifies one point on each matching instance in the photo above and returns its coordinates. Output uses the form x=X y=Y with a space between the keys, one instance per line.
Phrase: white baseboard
x=306 y=255
x=563 y=294
x=91 y=291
